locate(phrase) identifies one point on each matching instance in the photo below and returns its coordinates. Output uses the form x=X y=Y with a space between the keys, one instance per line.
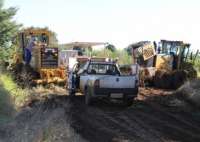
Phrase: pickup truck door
x=83 y=76
x=71 y=79
x=83 y=80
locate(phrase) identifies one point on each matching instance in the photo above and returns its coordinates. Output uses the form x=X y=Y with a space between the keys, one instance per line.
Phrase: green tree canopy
x=111 y=47
x=8 y=29
x=8 y=32
x=128 y=50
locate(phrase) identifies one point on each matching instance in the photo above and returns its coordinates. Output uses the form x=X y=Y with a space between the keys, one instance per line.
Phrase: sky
x=119 y=22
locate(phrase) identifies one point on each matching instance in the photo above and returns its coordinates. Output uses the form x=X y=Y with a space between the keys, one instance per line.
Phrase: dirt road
x=154 y=117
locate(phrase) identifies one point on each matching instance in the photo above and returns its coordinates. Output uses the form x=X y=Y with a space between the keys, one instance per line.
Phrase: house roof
x=85 y=44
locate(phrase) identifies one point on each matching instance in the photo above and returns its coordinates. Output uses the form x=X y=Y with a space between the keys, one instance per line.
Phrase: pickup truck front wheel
x=87 y=97
x=71 y=93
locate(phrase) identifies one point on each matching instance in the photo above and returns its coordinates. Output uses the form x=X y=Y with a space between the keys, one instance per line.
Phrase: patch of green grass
x=12 y=97
x=197 y=65
x=198 y=74
x=7 y=82
x=6 y=106
x=17 y=94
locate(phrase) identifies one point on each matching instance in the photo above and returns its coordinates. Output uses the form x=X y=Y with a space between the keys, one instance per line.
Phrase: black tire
x=88 y=100
x=128 y=101
x=71 y=93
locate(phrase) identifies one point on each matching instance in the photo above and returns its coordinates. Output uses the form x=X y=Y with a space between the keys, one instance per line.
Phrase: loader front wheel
x=71 y=93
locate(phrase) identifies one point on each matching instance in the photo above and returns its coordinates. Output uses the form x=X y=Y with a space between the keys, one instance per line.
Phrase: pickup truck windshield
x=103 y=69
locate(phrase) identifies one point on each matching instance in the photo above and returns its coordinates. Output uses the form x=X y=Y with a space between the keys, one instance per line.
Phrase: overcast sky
x=119 y=22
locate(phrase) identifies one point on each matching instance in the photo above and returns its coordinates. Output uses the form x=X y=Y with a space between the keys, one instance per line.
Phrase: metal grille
x=49 y=57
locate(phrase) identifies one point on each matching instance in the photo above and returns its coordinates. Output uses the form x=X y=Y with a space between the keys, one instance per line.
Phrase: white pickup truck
x=101 y=79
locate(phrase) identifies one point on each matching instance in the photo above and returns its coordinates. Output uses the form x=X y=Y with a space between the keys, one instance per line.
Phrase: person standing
x=29 y=48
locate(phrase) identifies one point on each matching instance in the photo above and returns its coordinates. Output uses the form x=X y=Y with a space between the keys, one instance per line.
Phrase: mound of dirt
x=189 y=68
x=169 y=80
x=190 y=91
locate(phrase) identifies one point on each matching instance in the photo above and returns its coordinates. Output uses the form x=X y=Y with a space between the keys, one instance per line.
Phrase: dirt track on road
x=149 y=119
x=142 y=122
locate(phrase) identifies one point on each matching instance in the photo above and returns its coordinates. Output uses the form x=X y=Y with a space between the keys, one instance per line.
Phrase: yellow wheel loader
x=42 y=65
x=166 y=65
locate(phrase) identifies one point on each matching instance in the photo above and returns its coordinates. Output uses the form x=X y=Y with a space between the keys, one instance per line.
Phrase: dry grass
x=13 y=97
x=44 y=91
x=40 y=123
x=17 y=94
x=45 y=122
x=21 y=96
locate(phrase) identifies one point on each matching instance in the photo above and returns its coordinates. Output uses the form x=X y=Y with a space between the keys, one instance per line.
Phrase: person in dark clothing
x=29 y=49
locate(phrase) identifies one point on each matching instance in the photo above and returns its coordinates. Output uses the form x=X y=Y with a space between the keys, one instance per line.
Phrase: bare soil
x=155 y=116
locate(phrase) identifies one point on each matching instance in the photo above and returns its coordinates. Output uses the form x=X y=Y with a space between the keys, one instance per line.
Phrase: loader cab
x=173 y=52
x=44 y=53
x=40 y=37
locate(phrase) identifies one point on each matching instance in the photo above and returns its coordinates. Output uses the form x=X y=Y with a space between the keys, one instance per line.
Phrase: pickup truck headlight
x=97 y=83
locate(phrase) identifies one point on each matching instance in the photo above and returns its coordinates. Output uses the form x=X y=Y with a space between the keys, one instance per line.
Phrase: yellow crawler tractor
x=36 y=58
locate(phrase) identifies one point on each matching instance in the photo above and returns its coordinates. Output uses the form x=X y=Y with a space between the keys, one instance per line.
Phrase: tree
x=8 y=29
x=111 y=47
x=128 y=50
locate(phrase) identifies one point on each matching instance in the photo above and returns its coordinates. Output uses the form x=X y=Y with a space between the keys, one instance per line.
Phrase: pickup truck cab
x=101 y=79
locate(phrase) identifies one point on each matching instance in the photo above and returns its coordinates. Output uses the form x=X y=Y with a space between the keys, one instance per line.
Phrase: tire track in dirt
x=120 y=124
x=112 y=121
x=145 y=121
x=85 y=124
x=175 y=118
x=95 y=124
x=141 y=122
x=132 y=124
x=165 y=123
x=171 y=130
x=144 y=130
